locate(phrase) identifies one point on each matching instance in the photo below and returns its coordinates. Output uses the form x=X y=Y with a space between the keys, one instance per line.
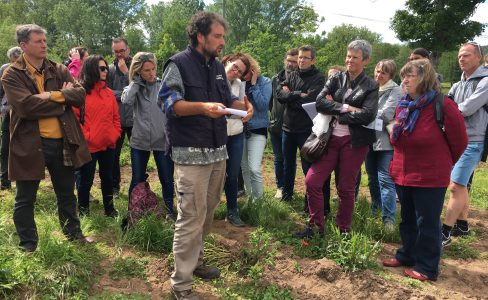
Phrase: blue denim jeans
x=251 y=164
x=277 y=145
x=235 y=147
x=381 y=185
x=105 y=161
x=292 y=141
x=467 y=163
x=165 y=166
x=420 y=228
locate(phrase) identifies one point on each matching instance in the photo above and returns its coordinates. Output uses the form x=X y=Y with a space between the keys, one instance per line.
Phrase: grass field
x=261 y=261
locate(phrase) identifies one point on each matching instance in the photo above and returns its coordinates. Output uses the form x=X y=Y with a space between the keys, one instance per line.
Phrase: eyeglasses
x=236 y=69
x=120 y=51
x=103 y=69
x=477 y=46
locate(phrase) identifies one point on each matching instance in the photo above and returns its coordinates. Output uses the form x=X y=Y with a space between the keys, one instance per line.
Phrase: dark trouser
x=277 y=144
x=165 y=166
x=118 y=149
x=62 y=179
x=4 y=150
x=235 y=147
x=292 y=141
x=105 y=161
x=420 y=228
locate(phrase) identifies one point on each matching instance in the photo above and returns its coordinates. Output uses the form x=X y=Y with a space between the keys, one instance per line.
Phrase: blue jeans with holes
x=277 y=145
x=381 y=185
x=235 y=144
x=165 y=166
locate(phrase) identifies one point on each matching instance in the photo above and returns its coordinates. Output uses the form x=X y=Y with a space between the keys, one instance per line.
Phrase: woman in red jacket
x=422 y=160
x=101 y=127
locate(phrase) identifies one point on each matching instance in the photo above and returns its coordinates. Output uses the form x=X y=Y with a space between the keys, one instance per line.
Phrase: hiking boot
x=234 y=219
x=458 y=231
x=184 y=295
x=207 y=272
x=5 y=186
x=446 y=239
x=279 y=193
x=307 y=233
x=112 y=213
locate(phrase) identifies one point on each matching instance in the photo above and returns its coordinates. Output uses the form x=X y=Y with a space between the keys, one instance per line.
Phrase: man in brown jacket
x=43 y=133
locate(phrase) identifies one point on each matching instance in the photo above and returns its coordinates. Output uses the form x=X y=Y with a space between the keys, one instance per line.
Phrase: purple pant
x=348 y=161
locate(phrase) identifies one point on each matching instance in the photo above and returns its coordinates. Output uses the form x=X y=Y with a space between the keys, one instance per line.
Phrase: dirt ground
x=324 y=279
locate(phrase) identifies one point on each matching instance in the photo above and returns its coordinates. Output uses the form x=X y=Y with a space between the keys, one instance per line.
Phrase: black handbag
x=315 y=146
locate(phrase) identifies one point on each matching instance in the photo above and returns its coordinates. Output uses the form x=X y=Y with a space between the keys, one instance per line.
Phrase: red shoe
x=416 y=275
x=392 y=262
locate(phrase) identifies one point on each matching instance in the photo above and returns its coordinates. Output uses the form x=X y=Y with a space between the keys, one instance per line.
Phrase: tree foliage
x=437 y=25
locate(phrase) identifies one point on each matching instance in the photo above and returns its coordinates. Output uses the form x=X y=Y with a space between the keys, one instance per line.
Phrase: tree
x=169 y=20
x=284 y=19
x=437 y=25
x=334 y=51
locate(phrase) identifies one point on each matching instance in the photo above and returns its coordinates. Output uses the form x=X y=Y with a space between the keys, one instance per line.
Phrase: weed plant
x=269 y=213
x=461 y=248
x=150 y=233
x=57 y=269
x=255 y=291
x=127 y=267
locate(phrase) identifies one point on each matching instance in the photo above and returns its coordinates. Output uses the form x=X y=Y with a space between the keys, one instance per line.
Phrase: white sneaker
x=279 y=193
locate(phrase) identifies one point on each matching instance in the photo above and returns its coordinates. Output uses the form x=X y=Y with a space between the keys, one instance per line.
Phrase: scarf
x=409 y=110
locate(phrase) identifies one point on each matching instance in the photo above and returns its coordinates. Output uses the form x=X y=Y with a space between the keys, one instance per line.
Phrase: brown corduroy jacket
x=26 y=159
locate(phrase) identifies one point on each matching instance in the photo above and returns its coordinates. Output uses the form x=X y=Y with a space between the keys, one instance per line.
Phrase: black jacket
x=276 y=108
x=203 y=82
x=364 y=95
x=295 y=119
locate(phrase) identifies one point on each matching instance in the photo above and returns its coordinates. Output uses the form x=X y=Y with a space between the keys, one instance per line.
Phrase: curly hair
x=201 y=22
x=90 y=72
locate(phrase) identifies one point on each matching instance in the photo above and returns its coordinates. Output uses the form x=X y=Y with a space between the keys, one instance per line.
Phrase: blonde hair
x=138 y=61
x=425 y=73
x=254 y=64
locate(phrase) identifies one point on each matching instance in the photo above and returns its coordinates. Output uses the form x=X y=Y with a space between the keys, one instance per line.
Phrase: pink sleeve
x=74 y=67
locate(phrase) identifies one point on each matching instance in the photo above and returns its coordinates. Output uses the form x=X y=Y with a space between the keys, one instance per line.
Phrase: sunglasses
x=120 y=51
x=146 y=57
x=477 y=46
x=103 y=69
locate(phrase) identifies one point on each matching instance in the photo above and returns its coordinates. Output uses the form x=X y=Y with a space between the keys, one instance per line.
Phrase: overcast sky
x=373 y=14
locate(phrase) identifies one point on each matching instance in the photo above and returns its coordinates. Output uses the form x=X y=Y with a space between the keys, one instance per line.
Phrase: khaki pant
x=198 y=192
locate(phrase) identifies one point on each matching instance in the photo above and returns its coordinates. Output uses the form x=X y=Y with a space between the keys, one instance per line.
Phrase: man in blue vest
x=194 y=93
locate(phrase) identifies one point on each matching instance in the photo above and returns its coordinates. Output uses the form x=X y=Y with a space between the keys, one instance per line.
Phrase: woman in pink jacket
x=101 y=127
x=423 y=155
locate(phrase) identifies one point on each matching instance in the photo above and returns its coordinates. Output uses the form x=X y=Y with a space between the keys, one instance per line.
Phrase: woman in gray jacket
x=148 y=132
x=381 y=185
